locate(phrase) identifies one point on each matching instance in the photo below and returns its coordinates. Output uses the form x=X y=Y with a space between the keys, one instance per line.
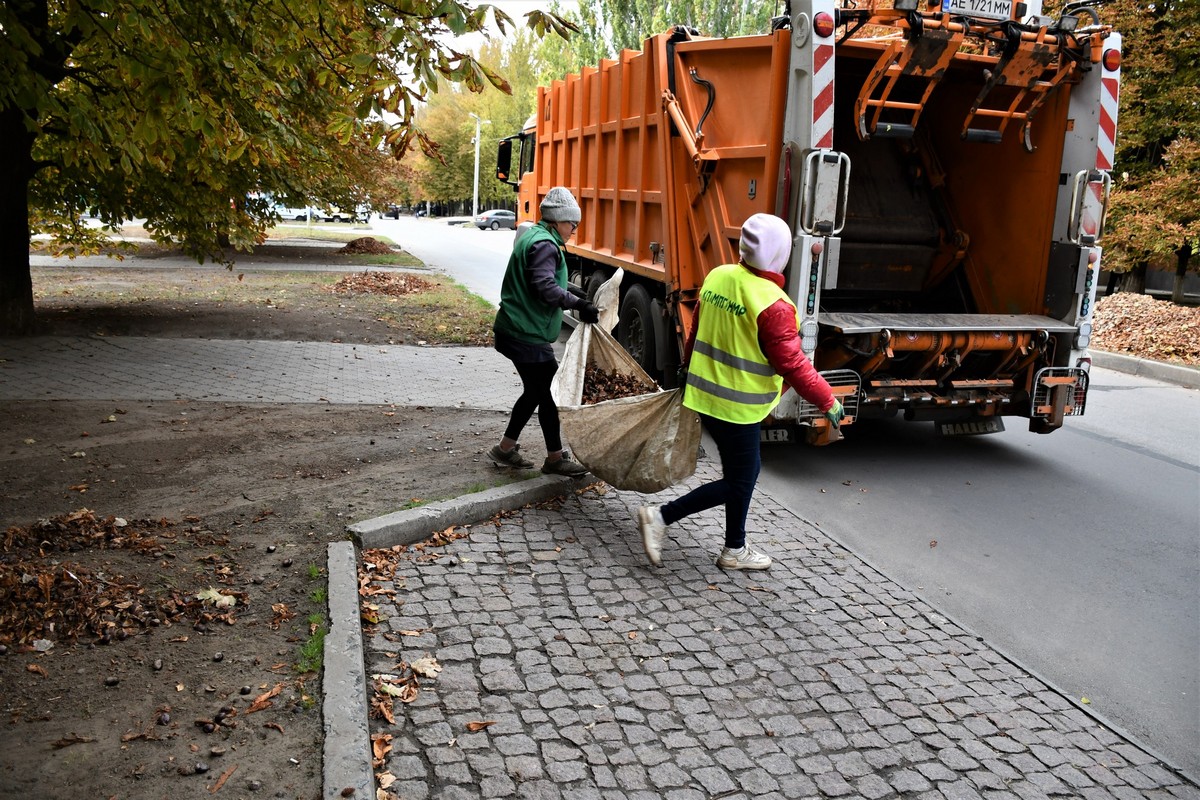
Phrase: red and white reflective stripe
x=822 y=87
x=1106 y=141
x=1089 y=224
x=1106 y=145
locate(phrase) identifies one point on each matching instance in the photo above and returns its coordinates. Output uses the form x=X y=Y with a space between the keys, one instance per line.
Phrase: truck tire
x=593 y=284
x=636 y=329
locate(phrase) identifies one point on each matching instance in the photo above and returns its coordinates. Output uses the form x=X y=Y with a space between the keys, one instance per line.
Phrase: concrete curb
x=415 y=524
x=347 y=755
x=1188 y=377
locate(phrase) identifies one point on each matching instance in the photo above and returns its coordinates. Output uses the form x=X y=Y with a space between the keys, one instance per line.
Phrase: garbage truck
x=944 y=166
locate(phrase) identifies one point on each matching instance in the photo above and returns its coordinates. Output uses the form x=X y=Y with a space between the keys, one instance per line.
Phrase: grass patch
x=299 y=230
x=312 y=652
x=443 y=312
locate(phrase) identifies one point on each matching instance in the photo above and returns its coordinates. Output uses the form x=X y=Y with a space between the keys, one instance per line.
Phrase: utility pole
x=475 y=198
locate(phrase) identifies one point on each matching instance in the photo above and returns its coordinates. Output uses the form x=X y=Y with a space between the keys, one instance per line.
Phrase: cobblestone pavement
x=602 y=677
x=114 y=368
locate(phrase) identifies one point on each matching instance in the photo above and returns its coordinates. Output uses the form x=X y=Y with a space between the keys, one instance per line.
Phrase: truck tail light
x=1112 y=60
x=823 y=24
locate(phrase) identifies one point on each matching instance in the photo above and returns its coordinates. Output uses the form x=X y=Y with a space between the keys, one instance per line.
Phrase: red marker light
x=1112 y=60
x=823 y=24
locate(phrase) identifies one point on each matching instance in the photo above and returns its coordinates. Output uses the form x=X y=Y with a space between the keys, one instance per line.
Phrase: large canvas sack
x=643 y=443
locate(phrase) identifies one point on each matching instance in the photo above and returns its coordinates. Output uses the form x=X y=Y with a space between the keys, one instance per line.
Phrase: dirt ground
x=162 y=578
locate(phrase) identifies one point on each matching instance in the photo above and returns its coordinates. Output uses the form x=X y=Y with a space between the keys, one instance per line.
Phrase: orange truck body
x=945 y=178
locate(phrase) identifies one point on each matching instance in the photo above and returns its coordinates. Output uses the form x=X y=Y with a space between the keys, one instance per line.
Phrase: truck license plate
x=988 y=9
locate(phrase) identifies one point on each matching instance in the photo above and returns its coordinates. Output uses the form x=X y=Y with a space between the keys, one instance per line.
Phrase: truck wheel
x=636 y=329
x=594 y=282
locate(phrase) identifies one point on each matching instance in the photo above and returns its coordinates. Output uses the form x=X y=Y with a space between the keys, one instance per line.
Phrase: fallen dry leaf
x=37 y=669
x=381 y=746
x=426 y=667
x=264 y=699
x=280 y=613
x=221 y=780
x=69 y=740
x=478 y=726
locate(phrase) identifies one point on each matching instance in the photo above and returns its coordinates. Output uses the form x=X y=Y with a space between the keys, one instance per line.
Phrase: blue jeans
x=738 y=446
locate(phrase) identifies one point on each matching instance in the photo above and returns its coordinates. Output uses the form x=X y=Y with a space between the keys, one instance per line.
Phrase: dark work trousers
x=535 y=395
x=738 y=446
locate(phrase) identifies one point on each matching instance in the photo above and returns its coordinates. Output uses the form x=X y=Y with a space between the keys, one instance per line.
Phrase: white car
x=302 y=214
x=361 y=214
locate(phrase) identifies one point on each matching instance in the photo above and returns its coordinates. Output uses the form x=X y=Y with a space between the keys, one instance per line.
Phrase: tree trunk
x=16 y=170
x=1134 y=280
x=1182 y=256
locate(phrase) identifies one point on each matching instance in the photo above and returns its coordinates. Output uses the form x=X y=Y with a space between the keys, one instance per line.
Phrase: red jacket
x=780 y=343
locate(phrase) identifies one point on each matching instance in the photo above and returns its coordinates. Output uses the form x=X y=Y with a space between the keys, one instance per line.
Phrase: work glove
x=588 y=313
x=681 y=375
x=835 y=414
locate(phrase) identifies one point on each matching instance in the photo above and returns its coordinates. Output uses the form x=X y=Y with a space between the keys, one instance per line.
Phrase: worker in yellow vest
x=744 y=344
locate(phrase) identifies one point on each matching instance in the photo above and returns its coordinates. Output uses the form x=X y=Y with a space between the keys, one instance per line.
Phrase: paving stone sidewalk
x=599 y=676
x=231 y=370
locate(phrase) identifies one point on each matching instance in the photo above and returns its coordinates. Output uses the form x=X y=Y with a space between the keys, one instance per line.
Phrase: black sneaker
x=511 y=458
x=564 y=466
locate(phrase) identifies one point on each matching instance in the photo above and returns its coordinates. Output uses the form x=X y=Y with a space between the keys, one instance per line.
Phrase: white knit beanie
x=559 y=205
x=766 y=243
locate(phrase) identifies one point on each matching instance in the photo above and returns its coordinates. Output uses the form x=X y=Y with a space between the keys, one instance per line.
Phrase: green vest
x=728 y=376
x=523 y=314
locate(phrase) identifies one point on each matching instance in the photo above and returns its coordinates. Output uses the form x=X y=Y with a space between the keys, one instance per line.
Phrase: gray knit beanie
x=766 y=243
x=559 y=205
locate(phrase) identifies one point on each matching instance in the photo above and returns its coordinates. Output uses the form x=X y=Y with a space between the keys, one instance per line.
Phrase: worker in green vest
x=744 y=344
x=533 y=295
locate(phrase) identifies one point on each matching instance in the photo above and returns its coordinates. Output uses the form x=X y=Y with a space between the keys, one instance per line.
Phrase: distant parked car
x=496 y=219
x=361 y=214
x=302 y=214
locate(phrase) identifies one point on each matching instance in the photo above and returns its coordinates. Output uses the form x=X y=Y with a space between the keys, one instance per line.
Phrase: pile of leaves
x=1139 y=325
x=367 y=245
x=601 y=384
x=395 y=284
x=46 y=598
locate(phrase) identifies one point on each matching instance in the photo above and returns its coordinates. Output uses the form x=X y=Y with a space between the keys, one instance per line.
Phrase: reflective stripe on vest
x=729 y=377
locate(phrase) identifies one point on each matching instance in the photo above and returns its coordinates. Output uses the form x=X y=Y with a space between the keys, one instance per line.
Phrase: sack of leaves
x=644 y=442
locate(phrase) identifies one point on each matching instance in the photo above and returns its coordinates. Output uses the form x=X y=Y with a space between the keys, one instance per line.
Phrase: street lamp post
x=475 y=198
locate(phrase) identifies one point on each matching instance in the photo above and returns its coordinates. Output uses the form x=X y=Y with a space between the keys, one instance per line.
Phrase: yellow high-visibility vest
x=729 y=377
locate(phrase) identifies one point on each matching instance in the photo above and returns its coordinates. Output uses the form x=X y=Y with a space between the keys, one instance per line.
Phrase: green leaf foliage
x=183 y=113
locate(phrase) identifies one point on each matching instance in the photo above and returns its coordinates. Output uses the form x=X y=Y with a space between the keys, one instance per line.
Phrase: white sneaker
x=654 y=532
x=745 y=558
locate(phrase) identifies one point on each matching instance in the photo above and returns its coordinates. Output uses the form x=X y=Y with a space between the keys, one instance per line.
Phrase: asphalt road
x=1076 y=553
x=474 y=258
